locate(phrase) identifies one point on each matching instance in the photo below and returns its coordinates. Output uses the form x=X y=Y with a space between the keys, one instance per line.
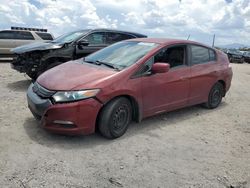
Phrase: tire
x=34 y=75
x=215 y=96
x=115 y=117
x=50 y=66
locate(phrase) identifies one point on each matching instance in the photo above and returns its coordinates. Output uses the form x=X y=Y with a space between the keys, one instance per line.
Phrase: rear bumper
x=228 y=79
x=68 y=118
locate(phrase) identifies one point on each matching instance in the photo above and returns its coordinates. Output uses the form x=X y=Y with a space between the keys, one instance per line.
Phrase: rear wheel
x=115 y=118
x=215 y=96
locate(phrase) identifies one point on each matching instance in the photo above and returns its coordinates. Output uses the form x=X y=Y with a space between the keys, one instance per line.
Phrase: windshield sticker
x=146 y=44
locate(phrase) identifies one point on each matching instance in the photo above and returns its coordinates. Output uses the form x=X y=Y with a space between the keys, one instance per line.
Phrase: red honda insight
x=126 y=81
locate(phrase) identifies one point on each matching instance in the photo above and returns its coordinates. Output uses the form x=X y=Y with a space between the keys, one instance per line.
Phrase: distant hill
x=234 y=45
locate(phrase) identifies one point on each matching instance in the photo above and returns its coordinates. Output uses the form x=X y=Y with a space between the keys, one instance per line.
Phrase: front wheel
x=215 y=96
x=115 y=118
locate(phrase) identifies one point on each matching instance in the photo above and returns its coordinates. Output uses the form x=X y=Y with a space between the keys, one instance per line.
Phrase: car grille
x=41 y=91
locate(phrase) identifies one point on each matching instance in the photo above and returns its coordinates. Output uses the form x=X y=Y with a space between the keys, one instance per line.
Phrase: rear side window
x=6 y=35
x=202 y=54
x=113 y=37
x=212 y=56
x=23 y=35
x=96 y=38
x=45 y=36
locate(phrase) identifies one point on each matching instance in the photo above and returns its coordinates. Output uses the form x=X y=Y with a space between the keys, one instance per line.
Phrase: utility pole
x=213 y=40
x=188 y=37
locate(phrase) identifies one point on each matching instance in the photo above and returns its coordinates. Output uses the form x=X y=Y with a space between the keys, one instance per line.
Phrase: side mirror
x=83 y=43
x=160 y=67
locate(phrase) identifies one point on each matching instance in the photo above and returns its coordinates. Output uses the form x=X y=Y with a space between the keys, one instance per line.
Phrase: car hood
x=75 y=75
x=36 y=46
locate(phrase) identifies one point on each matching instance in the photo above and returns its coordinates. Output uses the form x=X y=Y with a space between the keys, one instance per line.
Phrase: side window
x=45 y=36
x=175 y=56
x=96 y=38
x=23 y=35
x=212 y=56
x=6 y=35
x=200 y=54
x=113 y=37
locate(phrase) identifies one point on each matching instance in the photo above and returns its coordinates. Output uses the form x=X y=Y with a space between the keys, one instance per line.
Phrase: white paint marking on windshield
x=146 y=44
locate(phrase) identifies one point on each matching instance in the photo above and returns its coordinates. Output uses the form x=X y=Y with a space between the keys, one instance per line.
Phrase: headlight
x=68 y=96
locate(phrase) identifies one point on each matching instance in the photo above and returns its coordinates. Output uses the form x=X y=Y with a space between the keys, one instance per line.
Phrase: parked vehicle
x=18 y=36
x=129 y=80
x=246 y=56
x=36 y=58
x=235 y=56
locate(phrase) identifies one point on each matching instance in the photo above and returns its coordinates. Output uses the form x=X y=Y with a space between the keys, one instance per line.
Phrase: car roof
x=168 y=41
x=120 y=31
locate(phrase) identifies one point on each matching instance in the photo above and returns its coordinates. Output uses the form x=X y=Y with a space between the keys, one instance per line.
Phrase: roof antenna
x=188 y=37
x=213 y=40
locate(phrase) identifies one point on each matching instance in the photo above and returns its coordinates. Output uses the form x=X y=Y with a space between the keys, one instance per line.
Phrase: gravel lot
x=192 y=147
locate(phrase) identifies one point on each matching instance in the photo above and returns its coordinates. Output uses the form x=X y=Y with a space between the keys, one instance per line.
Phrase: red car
x=129 y=80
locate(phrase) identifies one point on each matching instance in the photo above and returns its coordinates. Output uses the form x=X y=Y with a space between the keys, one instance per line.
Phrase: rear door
x=96 y=40
x=6 y=42
x=203 y=73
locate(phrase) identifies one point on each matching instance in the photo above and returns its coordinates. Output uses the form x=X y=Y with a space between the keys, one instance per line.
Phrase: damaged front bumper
x=23 y=66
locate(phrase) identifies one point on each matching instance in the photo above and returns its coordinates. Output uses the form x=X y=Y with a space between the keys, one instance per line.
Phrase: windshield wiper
x=107 y=64
x=101 y=63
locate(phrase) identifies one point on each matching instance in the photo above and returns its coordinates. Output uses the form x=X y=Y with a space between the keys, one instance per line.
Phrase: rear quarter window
x=45 y=36
x=113 y=37
x=23 y=35
x=212 y=56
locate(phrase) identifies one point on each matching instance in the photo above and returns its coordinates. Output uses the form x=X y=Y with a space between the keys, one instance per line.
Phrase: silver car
x=18 y=36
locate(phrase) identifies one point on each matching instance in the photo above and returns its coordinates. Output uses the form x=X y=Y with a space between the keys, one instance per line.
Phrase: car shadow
x=43 y=137
x=21 y=85
x=170 y=119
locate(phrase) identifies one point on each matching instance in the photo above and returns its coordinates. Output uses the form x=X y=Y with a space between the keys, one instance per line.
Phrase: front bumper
x=67 y=118
x=236 y=59
x=19 y=68
x=247 y=59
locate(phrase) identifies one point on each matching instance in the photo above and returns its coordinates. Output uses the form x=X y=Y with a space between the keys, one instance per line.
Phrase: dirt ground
x=192 y=147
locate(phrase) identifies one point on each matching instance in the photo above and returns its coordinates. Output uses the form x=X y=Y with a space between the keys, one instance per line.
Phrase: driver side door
x=166 y=91
x=96 y=41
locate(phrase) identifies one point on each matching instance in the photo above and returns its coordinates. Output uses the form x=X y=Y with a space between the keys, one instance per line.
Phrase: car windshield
x=247 y=53
x=235 y=52
x=122 y=54
x=69 y=37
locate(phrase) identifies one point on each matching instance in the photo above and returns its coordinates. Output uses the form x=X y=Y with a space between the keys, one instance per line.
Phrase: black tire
x=50 y=66
x=215 y=96
x=34 y=75
x=115 y=117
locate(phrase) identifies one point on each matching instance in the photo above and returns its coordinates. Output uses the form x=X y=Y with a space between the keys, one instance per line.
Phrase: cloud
x=229 y=20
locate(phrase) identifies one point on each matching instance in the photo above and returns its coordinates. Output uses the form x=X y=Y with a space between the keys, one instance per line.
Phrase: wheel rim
x=120 y=119
x=216 y=97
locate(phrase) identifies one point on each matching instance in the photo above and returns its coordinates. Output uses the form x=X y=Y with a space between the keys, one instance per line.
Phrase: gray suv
x=18 y=36
x=36 y=58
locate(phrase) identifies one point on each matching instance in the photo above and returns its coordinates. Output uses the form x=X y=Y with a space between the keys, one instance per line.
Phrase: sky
x=229 y=20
